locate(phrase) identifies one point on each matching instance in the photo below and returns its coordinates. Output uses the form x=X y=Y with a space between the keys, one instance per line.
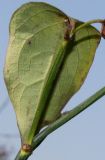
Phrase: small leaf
x=36 y=49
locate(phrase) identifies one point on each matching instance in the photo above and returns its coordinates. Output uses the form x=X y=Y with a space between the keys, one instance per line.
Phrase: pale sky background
x=83 y=138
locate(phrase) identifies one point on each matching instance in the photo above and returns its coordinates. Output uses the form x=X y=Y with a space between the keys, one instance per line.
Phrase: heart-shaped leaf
x=36 y=49
x=44 y=68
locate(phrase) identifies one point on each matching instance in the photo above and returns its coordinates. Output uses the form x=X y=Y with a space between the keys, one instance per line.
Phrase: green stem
x=21 y=156
x=87 y=24
x=64 y=118
x=68 y=116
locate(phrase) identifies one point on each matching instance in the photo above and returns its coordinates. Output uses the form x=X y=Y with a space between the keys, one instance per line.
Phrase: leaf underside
x=36 y=37
x=74 y=70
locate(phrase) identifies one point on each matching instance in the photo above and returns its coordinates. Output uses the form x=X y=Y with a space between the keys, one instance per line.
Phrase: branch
x=58 y=123
x=68 y=116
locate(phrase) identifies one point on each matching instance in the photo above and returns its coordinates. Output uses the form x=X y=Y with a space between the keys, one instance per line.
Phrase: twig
x=65 y=118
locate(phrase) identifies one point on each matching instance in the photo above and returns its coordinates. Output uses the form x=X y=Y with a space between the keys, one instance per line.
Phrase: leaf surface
x=36 y=50
x=73 y=72
x=43 y=70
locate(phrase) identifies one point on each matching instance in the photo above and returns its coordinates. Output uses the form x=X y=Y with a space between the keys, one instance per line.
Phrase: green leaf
x=36 y=50
x=73 y=72
x=44 y=68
